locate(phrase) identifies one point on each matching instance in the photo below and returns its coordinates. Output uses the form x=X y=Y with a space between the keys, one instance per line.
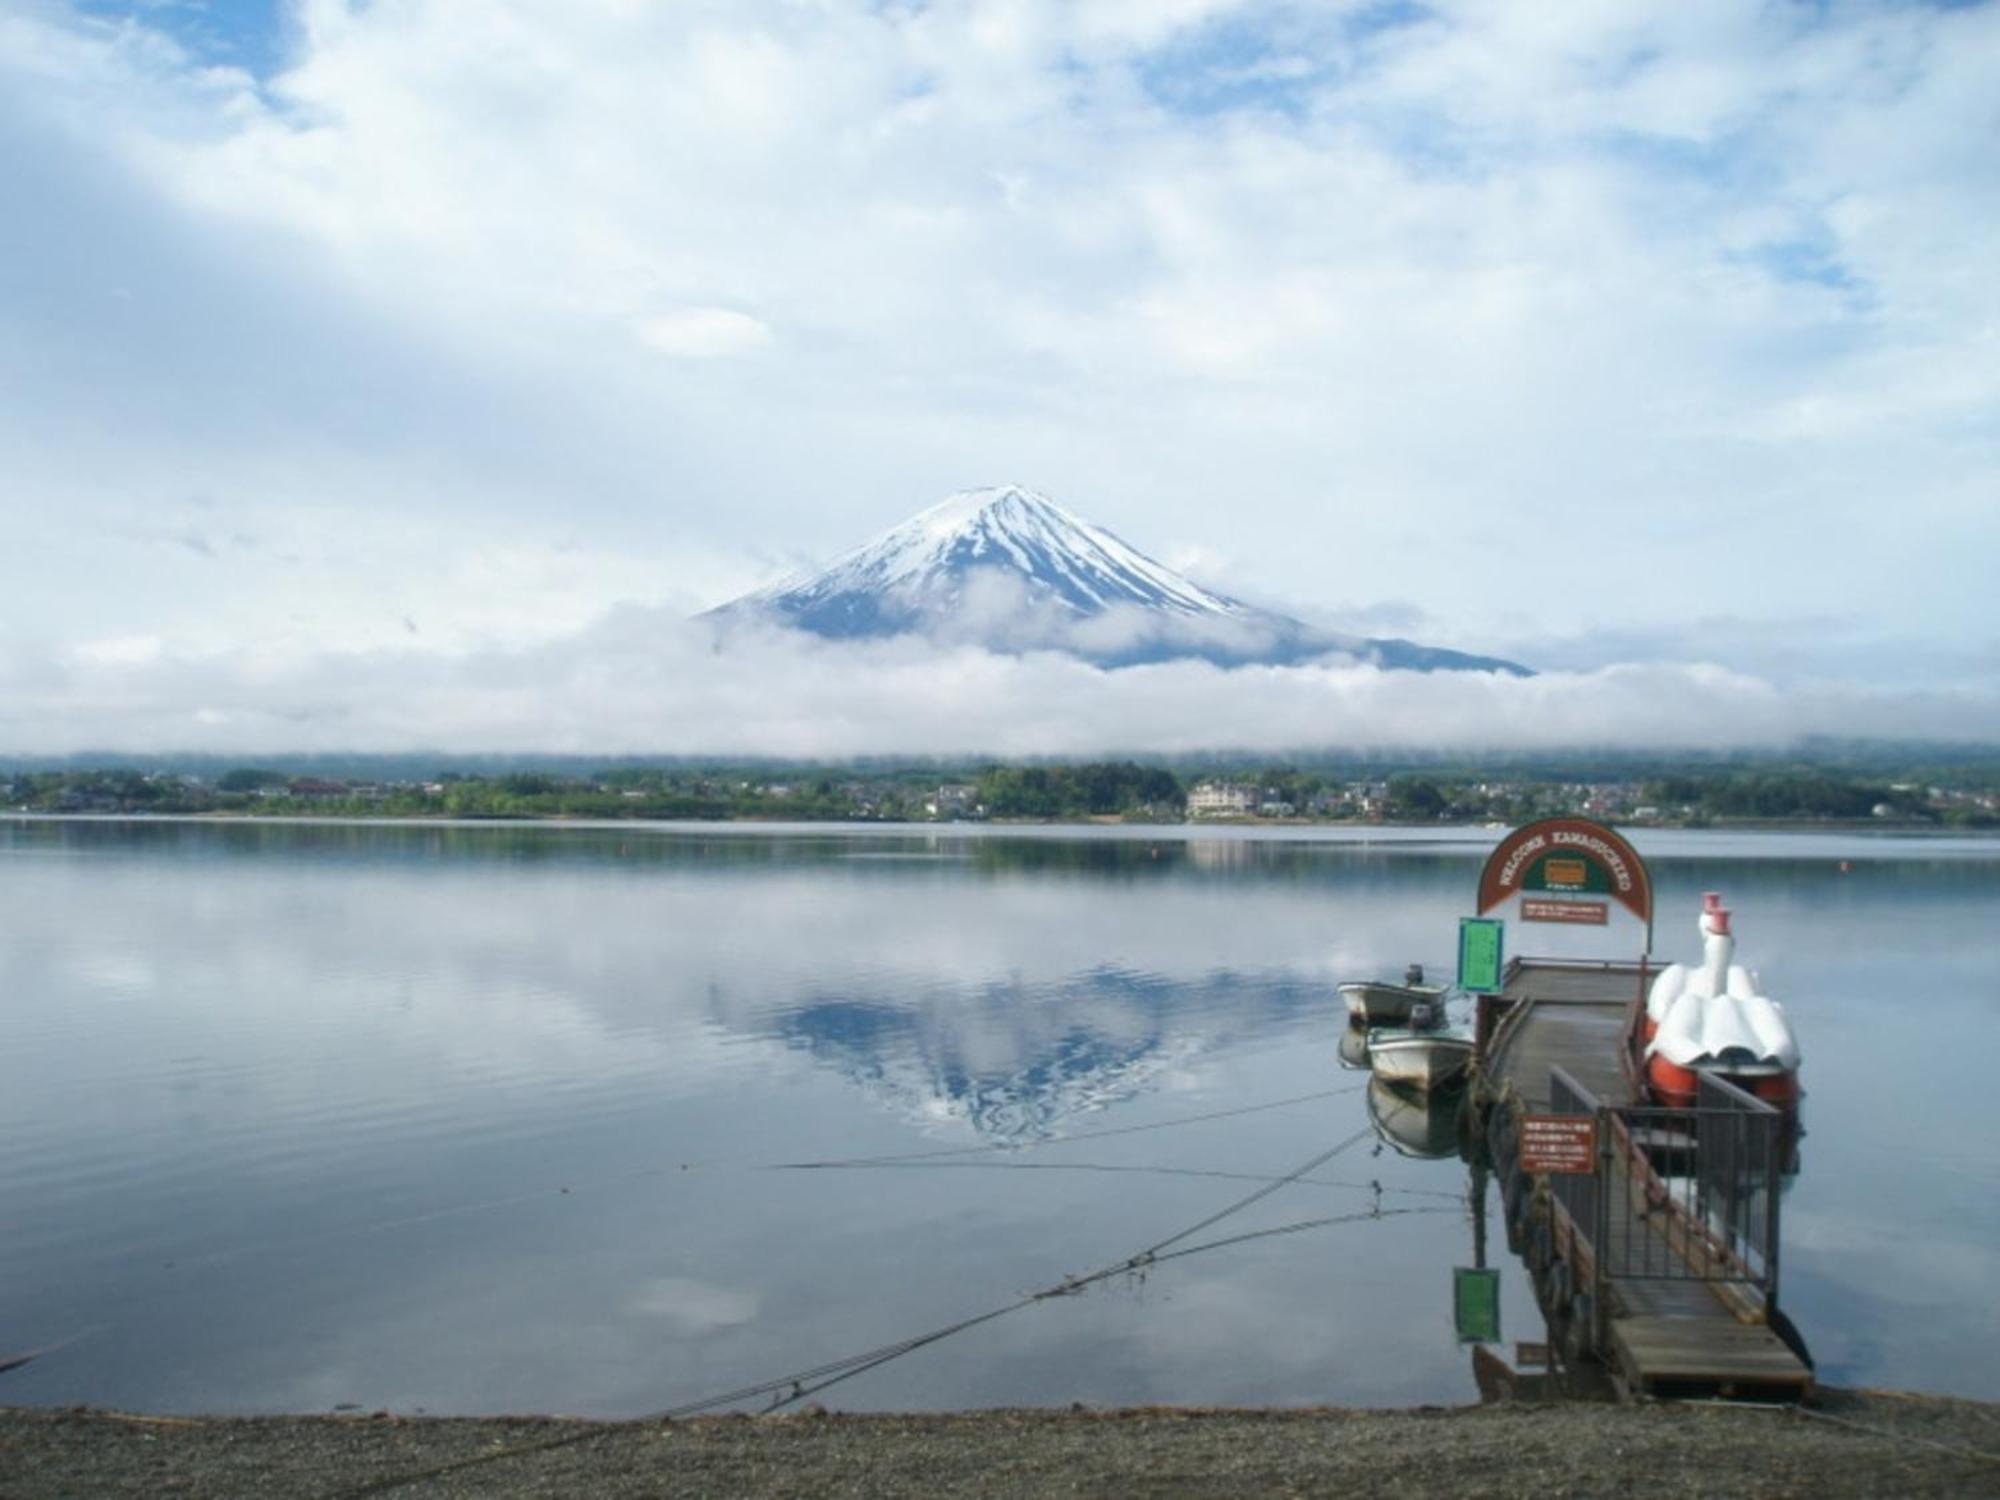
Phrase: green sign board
x=1479 y=955
x=1475 y=1305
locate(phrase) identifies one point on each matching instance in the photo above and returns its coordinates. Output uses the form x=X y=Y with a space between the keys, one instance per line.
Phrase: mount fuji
x=1011 y=570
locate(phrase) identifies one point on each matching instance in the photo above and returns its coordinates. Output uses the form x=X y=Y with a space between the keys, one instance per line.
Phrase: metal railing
x=1739 y=1171
x=1581 y=1194
x=1681 y=1194
x=1703 y=1187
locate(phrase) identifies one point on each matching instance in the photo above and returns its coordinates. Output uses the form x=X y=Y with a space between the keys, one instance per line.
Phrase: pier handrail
x=1715 y=1222
x=1580 y=965
x=1582 y=1200
x=1495 y=1041
x=1558 y=1074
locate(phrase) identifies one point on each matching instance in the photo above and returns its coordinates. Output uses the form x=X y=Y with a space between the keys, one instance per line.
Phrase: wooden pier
x=1661 y=1263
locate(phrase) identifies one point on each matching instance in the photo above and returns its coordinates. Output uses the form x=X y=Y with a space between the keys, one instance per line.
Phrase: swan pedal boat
x=1714 y=1019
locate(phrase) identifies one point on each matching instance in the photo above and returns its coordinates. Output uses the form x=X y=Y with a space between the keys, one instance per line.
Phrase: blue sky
x=352 y=349
x=249 y=34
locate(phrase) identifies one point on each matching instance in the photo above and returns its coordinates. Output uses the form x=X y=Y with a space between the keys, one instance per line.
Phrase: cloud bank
x=648 y=682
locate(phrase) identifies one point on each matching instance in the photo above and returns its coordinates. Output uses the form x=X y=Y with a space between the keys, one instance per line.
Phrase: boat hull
x=1375 y=1004
x=1677 y=1087
x=1418 y=1060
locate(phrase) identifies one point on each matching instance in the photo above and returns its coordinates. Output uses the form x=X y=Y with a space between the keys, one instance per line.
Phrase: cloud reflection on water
x=488 y=1105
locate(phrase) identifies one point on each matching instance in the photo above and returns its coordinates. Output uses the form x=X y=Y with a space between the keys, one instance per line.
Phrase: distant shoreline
x=1085 y=793
x=973 y=827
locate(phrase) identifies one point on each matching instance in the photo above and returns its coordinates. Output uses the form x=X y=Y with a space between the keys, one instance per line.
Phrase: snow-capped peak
x=1059 y=557
x=1010 y=570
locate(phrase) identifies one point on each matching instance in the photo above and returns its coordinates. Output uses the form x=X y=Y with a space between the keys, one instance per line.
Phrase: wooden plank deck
x=1559 y=1016
x=1662 y=1335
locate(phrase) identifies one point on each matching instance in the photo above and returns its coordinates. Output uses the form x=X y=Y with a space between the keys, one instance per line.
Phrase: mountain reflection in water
x=474 y=1118
x=1017 y=1061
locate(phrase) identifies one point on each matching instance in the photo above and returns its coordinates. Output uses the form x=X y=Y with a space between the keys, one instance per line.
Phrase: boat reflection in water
x=1353 y=1047
x=1423 y=1125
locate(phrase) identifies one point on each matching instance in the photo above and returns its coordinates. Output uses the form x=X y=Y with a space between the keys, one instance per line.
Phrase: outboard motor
x=1423 y=1016
x=1413 y=975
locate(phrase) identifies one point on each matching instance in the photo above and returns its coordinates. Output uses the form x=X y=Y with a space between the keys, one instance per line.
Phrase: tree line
x=1104 y=789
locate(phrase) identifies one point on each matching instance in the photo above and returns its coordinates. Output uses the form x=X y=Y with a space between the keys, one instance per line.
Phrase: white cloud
x=705 y=332
x=647 y=682
x=121 y=650
x=493 y=320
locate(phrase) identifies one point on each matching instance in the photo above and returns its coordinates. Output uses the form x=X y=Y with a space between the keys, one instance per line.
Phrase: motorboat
x=1353 y=1047
x=1426 y=1054
x=1715 y=1019
x=1414 y=1124
x=1373 y=1002
x=1422 y=1060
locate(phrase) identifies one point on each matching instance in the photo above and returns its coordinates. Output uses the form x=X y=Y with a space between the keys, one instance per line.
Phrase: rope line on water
x=589 y=1434
x=1058 y=1140
x=835 y=1375
x=641 y=1174
x=799 y=1384
x=1261 y=1193
x=869 y=1359
x=1299 y=1227
x=1093 y=1166
x=798 y=1392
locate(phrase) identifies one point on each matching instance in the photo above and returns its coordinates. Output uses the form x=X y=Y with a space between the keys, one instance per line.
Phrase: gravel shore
x=1860 y=1444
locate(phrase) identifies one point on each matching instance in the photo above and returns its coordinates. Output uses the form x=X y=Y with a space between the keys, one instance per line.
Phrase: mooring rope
x=1060 y=1140
x=572 y=1439
x=799 y=1384
x=799 y=1392
x=1145 y=1170
x=795 y=1382
x=642 y=1174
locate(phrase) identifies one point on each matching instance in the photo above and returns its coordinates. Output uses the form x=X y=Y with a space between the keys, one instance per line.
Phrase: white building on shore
x=1222 y=799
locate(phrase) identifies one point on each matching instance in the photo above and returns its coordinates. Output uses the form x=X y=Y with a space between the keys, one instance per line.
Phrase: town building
x=1222 y=799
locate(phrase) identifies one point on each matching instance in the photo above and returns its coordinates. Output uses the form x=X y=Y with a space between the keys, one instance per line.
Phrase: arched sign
x=1568 y=871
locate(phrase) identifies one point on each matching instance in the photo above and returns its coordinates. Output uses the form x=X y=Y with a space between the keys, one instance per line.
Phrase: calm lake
x=526 y=1118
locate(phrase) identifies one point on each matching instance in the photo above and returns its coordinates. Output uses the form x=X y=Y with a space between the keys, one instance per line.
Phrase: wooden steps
x=1711 y=1355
